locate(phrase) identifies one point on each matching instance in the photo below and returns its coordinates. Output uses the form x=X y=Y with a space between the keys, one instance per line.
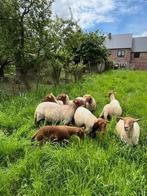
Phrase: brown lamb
x=57 y=133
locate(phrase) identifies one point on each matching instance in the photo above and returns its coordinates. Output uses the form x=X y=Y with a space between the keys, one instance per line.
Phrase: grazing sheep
x=113 y=108
x=83 y=117
x=53 y=112
x=90 y=102
x=128 y=130
x=51 y=98
x=57 y=133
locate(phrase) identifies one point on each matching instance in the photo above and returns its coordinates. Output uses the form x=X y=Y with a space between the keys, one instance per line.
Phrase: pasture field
x=93 y=167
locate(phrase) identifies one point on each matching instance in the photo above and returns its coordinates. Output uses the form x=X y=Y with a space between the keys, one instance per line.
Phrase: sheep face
x=100 y=125
x=89 y=99
x=79 y=102
x=80 y=133
x=128 y=123
x=62 y=97
x=49 y=98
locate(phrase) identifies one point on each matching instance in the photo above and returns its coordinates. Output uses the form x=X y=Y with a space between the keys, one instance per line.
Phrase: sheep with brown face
x=83 y=117
x=57 y=133
x=111 y=109
x=128 y=130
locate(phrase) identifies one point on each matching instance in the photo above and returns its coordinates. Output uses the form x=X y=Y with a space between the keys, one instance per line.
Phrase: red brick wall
x=133 y=63
x=125 y=59
x=139 y=63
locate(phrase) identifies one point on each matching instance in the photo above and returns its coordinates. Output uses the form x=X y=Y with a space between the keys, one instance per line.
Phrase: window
x=136 y=54
x=120 y=53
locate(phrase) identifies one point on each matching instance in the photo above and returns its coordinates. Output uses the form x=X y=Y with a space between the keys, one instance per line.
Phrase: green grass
x=103 y=166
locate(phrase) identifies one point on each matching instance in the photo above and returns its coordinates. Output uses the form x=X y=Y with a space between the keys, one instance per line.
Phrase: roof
x=139 y=44
x=119 y=41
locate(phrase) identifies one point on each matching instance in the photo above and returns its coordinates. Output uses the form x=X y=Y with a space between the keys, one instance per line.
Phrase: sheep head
x=88 y=99
x=79 y=102
x=63 y=97
x=111 y=93
x=129 y=122
x=100 y=125
x=50 y=97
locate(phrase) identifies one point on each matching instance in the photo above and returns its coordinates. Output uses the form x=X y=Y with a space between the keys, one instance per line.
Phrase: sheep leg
x=106 y=115
x=66 y=122
x=102 y=114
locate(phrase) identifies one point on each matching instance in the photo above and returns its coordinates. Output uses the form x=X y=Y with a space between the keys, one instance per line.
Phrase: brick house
x=128 y=51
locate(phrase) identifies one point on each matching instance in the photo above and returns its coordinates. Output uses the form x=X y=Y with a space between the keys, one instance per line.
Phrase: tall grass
x=102 y=166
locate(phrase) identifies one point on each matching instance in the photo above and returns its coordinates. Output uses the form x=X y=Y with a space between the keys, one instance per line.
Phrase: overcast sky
x=115 y=16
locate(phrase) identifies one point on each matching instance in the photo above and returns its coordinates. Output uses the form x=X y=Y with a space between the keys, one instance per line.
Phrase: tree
x=25 y=23
x=58 y=49
x=92 y=50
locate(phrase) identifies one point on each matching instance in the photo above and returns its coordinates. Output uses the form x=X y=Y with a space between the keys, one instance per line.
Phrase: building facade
x=127 y=51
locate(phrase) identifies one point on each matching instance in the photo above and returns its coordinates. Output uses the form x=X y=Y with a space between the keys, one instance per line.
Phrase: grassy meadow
x=101 y=166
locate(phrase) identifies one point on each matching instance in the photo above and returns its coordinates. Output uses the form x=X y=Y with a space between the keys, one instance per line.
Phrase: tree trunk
x=56 y=75
x=89 y=66
x=3 y=64
x=1 y=71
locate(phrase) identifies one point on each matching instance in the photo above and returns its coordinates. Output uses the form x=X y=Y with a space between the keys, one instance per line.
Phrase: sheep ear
x=136 y=120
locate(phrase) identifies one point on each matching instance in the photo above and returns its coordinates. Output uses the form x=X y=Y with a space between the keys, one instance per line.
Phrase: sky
x=109 y=16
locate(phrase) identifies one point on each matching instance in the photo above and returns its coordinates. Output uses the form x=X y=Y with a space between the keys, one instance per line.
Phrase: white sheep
x=83 y=117
x=90 y=102
x=53 y=112
x=128 y=130
x=113 y=108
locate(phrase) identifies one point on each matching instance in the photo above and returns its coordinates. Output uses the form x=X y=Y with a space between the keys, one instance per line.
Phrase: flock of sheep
x=79 y=112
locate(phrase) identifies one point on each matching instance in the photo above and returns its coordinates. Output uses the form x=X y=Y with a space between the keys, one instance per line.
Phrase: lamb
x=128 y=130
x=57 y=133
x=113 y=108
x=53 y=112
x=90 y=102
x=83 y=117
x=51 y=98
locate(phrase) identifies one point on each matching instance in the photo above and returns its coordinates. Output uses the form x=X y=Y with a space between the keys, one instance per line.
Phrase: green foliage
x=77 y=69
x=22 y=26
x=92 y=49
x=38 y=44
x=102 y=166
